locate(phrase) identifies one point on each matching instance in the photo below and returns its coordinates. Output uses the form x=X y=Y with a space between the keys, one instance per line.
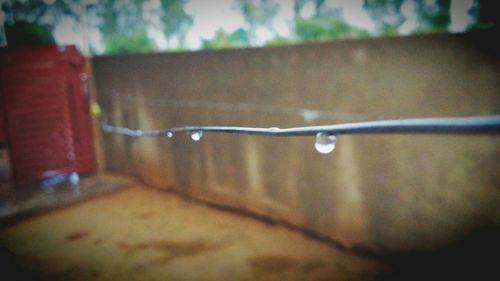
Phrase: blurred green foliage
x=175 y=20
x=386 y=15
x=257 y=13
x=326 y=29
x=47 y=13
x=25 y=33
x=126 y=25
x=137 y=42
x=221 y=40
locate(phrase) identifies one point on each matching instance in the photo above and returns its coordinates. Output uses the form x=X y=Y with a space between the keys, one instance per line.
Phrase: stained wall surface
x=384 y=192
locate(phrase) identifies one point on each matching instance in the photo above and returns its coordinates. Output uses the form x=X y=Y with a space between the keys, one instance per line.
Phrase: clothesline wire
x=445 y=125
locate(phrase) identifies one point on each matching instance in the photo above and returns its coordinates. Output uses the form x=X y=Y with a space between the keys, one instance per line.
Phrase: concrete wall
x=384 y=192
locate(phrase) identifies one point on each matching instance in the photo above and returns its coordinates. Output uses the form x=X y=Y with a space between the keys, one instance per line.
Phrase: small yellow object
x=95 y=109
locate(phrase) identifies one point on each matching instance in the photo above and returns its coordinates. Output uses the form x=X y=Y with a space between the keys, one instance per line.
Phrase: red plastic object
x=47 y=112
x=3 y=134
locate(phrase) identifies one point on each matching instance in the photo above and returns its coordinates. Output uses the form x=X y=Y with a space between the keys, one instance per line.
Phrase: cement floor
x=138 y=233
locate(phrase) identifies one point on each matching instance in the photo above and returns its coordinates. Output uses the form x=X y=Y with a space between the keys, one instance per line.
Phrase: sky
x=210 y=16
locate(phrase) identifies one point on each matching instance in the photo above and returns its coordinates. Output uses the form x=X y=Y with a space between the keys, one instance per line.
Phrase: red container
x=47 y=112
x=3 y=134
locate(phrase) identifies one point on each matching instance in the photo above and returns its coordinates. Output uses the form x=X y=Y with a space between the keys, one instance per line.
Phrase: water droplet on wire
x=169 y=134
x=196 y=136
x=325 y=143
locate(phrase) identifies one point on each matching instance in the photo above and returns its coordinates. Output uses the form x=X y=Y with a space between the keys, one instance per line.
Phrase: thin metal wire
x=450 y=125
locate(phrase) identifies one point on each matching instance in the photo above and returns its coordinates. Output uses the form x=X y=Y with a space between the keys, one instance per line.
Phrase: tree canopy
x=47 y=13
x=221 y=40
x=257 y=13
x=175 y=20
x=386 y=14
x=325 y=24
x=23 y=33
x=128 y=26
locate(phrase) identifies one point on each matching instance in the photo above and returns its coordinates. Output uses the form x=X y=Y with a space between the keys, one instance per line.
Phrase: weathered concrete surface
x=143 y=234
x=385 y=192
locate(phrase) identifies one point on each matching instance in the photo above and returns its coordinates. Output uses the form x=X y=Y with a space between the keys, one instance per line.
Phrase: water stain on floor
x=312 y=265
x=145 y=215
x=169 y=249
x=272 y=263
x=271 y=267
x=98 y=241
x=77 y=235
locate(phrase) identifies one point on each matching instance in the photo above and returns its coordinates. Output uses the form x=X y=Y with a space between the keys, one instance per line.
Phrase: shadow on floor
x=476 y=257
x=15 y=270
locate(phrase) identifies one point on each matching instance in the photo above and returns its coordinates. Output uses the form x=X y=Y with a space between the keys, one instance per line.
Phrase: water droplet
x=169 y=134
x=274 y=129
x=325 y=143
x=196 y=136
x=74 y=178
